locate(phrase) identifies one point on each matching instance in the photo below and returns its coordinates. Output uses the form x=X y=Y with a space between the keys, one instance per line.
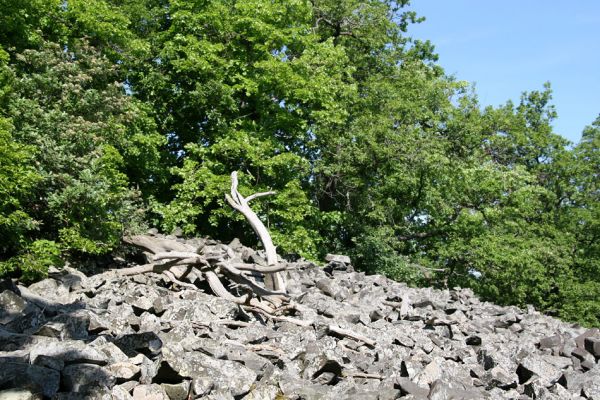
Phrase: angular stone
x=69 y=351
x=592 y=345
x=550 y=342
x=499 y=377
x=49 y=362
x=318 y=362
x=582 y=354
x=408 y=387
x=202 y=385
x=587 y=365
x=223 y=373
x=404 y=340
x=10 y=341
x=148 y=369
x=325 y=286
x=293 y=388
x=50 y=289
x=142 y=298
x=69 y=325
x=128 y=386
x=137 y=360
x=338 y=258
x=580 y=340
x=194 y=310
x=591 y=388
x=535 y=365
x=161 y=304
x=249 y=359
x=559 y=362
x=560 y=391
x=506 y=320
x=572 y=380
x=110 y=350
x=11 y=306
x=123 y=370
x=220 y=394
x=98 y=324
x=19 y=356
x=51 y=329
x=149 y=323
x=149 y=392
x=430 y=373
x=18 y=394
x=17 y=314
x=177 y=391
x=535 y=390
x=388 y=394
x=262 y=392
x=441 y=390
x=147 y=343
x=120 y=393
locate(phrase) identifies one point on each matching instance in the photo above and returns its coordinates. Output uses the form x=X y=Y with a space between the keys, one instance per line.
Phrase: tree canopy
x=119 y=115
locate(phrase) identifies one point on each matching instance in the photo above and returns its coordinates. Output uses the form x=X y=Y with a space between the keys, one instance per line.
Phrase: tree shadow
x=43 y=346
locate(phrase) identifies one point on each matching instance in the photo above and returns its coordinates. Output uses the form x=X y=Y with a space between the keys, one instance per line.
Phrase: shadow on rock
x=45 y=347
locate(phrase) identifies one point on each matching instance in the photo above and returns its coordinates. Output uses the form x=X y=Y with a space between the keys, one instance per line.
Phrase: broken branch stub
x=273 y=281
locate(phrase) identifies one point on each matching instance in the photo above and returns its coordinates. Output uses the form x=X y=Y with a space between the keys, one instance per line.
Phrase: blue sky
x=507 y=47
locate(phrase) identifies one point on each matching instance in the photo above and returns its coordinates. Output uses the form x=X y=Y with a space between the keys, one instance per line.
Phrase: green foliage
x=80 y=156
x=249 y=89
x=17 y=179
x=18 y=175
x=92 y=143
x=380 y=252
x=24 y=23
x=109 y=108
x=200 y=202
x=33 y=262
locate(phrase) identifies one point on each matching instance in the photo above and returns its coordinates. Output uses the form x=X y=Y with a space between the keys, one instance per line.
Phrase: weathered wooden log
x=156 y=245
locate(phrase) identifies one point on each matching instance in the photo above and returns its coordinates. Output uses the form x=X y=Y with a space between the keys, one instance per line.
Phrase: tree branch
x=351 y=334
x=261 y=194
x=239 y=203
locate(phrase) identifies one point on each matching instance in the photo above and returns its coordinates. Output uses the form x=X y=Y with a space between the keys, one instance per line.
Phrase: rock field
x=105 y=336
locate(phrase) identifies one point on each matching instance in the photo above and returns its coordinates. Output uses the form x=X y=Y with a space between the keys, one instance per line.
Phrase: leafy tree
x=243 y=86
x=17 y=180
x=95 y=148
x=18 y=177
x=582 y=219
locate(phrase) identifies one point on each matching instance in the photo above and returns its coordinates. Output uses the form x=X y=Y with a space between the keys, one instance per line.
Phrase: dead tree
x=215 y=264
x=274 y=280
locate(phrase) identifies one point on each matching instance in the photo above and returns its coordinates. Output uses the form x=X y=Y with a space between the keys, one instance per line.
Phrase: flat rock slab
x=149 y=392
x=18 y=394
x=68 y=351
